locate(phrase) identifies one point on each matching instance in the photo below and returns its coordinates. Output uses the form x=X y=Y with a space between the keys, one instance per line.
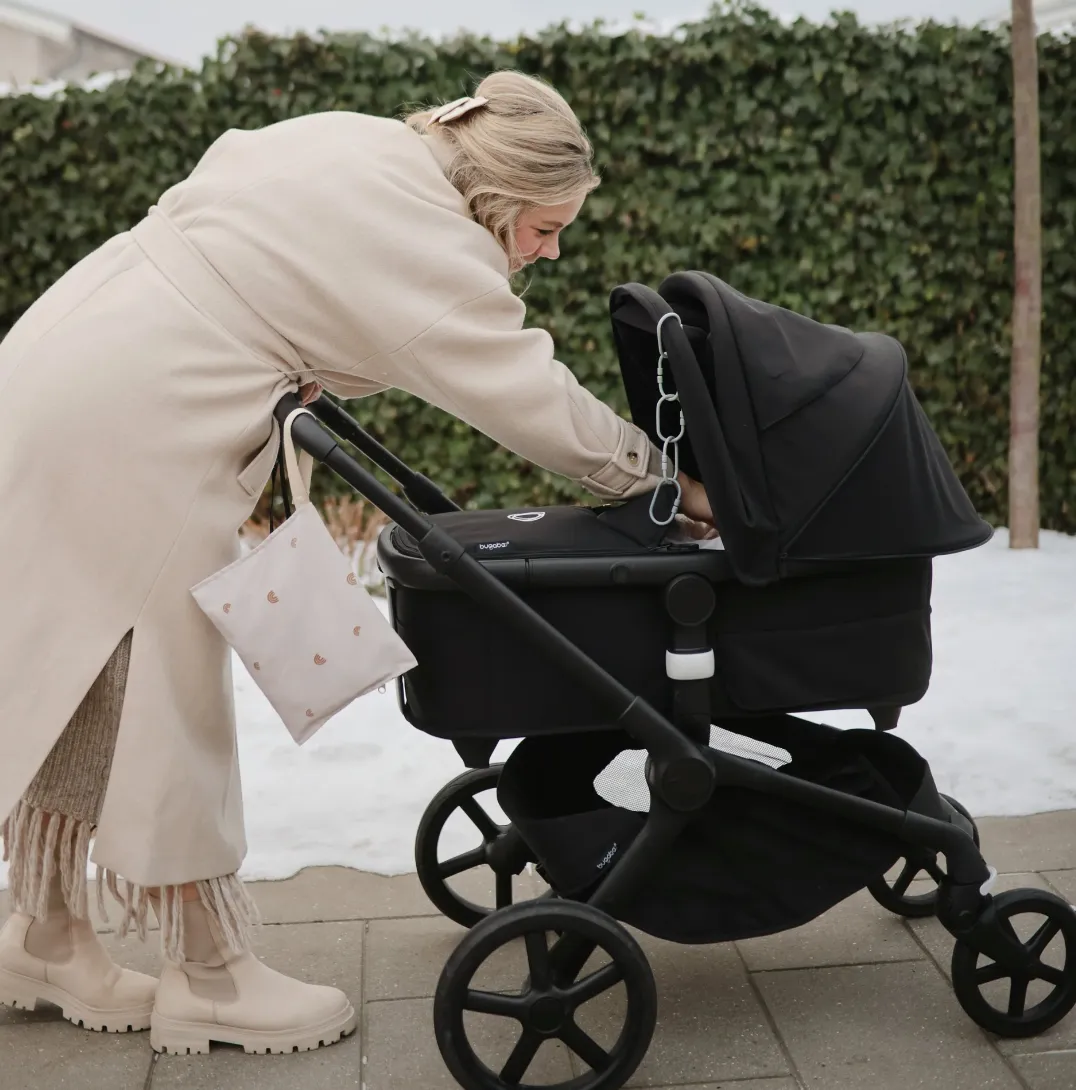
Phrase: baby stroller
x=601 y=637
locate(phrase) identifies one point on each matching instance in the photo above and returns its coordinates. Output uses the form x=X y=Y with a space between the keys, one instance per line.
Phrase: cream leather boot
x=232 y=998
x=61 y=960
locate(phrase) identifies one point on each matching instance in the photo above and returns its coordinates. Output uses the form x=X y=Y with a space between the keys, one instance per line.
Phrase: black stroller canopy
x=808 y=437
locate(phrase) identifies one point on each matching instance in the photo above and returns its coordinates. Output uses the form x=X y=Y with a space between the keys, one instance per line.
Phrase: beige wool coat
x=136 y=435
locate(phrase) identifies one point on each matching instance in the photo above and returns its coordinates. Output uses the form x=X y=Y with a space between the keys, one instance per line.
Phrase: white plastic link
x=690 y=665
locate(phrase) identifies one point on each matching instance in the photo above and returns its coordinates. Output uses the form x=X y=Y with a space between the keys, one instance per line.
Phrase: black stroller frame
x=683 y=774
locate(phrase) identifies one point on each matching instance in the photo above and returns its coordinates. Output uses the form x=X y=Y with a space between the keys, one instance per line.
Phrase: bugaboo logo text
x=527 y=516
x=496 y=545
x=608 y=856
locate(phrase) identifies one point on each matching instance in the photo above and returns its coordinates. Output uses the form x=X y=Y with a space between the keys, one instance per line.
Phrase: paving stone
x=131 y=952
x=710 y=1023
x=404 y=958
x=1062 y=1038
x=1048 y=1071
x=59 y=1056
x=326 y=953
x=477 y=886
x=856 y=931
x=403 y=1055
x=741 y=1084
x=1064 y=881
x=324 y=894
x=321 y=894
x=1038 y=842
x=887 y=1027
x=336 y=1067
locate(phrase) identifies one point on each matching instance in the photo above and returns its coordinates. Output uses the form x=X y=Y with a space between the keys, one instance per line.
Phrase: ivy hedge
x=859 y=175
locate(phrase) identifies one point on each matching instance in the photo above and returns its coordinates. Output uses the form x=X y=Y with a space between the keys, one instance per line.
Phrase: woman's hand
x=694 y=502
x=310 y=392
x=698 y=531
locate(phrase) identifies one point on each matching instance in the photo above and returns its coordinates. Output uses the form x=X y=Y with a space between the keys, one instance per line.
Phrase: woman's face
x=538 y=230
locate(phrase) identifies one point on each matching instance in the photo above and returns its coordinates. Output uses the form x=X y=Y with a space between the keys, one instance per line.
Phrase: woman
x=136 y=397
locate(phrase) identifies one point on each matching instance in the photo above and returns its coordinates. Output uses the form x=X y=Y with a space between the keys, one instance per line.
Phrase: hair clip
x=452 y=111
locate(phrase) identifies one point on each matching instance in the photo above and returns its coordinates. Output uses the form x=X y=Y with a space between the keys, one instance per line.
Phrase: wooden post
x=1027 y=291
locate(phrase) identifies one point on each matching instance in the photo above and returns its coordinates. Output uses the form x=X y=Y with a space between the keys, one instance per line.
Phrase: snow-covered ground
x=998 y=726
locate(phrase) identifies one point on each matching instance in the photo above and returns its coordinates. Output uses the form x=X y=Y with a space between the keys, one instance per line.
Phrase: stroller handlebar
x=420 y=490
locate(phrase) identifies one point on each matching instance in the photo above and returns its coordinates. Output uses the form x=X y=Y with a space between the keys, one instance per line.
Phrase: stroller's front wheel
x=501 y=851
x=592 y=959
x=893 y=894
x=1029 y=984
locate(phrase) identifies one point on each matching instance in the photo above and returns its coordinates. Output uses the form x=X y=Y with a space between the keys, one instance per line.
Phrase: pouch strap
x=299 y=469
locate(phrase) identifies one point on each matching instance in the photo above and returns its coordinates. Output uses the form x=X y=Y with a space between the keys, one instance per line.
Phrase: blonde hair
x=523 y=149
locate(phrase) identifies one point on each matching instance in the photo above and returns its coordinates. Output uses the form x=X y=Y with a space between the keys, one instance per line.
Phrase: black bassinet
x=832 y=494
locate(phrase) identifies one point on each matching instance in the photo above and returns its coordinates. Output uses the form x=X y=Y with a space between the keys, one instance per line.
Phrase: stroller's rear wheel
x=1032 y=986
x=895 y=896
x=501 y=850
x=561 y=980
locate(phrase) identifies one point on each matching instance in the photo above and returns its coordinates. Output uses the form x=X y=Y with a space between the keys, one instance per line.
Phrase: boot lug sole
x=24 y=993
x=194 y=1038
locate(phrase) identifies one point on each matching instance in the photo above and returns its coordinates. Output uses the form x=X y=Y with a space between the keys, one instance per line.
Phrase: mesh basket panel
x=623 y=781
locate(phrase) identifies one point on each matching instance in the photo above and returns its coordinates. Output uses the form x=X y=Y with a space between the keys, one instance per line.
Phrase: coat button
x=633 y=457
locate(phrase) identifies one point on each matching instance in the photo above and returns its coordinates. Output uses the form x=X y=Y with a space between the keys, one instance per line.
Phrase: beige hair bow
x=452 y=111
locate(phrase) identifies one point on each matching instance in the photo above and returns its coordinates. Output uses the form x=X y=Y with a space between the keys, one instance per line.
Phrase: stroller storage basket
x=749 y=864
x=844 y=636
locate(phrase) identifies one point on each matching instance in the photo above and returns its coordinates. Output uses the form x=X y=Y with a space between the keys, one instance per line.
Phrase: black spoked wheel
x=891 y=890
x=594 y=960
x=500 y=850
x=1036 y=986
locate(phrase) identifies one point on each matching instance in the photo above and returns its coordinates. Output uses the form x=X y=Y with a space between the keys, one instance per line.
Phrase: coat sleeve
x=478 y=363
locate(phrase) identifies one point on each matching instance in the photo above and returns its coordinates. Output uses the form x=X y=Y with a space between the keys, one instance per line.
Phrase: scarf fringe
x=42 y=846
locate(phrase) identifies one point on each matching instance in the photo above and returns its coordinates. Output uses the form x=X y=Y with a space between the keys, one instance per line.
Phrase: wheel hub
x=547 y=1015
x=507 y=854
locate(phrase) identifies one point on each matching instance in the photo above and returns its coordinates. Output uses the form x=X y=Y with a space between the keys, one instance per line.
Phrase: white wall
x=22 y=55
x=26 y=57
x=1055 y=14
